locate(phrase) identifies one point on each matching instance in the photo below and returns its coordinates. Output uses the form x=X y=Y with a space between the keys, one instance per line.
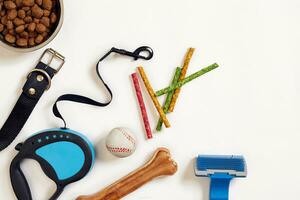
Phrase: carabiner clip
x=137 y=53
x=146 y=49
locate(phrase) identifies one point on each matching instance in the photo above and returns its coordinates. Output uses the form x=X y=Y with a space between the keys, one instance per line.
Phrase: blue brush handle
x=219 y=186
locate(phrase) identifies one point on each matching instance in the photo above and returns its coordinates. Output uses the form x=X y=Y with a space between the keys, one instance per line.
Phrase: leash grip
x=18 y=181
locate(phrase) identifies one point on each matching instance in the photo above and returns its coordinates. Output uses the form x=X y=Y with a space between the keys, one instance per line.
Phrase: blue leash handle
x=219 y=186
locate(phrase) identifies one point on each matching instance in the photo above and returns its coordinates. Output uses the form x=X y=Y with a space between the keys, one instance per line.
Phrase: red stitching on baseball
x=128 y=137
x=119 y=149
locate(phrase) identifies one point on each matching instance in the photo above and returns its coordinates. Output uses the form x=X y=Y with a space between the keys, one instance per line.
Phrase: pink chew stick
x=142 y=105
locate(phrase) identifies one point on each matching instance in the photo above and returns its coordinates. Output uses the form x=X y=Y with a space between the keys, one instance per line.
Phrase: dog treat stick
x=152 y=95
x=161 y=164
x=169 y=98
x=182 y=76
x=187 y=79
x=142 y=105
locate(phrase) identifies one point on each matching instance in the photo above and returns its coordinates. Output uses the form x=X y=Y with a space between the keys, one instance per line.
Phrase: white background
x=248 y=106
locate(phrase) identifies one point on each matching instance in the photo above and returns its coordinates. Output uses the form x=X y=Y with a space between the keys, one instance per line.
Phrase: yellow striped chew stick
x=153 y=97
x=185 y=67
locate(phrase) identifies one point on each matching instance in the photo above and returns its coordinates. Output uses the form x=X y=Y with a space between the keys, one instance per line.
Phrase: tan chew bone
x=161 y=164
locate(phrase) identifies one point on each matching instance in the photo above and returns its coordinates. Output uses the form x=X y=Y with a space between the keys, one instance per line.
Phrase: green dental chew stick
x=169 y=97
x=186 y=80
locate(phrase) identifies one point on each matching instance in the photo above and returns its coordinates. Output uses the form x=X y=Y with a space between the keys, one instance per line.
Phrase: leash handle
x=137 y=54
x=20 y=184
x=18 y=181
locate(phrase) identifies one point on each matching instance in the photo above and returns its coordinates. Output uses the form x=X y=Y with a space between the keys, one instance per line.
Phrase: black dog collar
x=38 y=81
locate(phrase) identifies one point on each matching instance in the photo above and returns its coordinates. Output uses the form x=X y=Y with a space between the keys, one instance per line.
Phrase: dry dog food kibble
x=26 y=23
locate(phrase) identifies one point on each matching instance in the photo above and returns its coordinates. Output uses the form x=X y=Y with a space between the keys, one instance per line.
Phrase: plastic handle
x=18 y=181
x=219 y=186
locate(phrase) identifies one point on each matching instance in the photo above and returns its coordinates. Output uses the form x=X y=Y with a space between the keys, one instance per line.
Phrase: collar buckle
x=50 y=55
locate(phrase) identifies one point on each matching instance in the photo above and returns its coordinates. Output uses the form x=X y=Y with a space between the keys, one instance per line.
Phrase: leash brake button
x=19 y=147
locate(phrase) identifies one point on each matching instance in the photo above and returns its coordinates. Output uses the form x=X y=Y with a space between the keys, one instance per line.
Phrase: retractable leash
x=38 y=81
x=64 y=155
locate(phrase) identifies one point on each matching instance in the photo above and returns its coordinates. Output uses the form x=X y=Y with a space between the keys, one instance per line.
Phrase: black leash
x=137 y=54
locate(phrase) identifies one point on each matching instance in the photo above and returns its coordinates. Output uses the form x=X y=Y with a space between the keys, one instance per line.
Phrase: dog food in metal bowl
x=29 y=24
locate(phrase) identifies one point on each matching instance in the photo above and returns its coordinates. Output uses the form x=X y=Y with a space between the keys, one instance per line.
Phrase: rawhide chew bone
x=161 y=164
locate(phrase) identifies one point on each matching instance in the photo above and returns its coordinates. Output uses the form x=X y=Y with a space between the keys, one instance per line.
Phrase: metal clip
x=137 y=53
x=54 y=54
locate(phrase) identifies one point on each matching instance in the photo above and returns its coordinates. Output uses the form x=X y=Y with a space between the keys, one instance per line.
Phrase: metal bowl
x=34 y=48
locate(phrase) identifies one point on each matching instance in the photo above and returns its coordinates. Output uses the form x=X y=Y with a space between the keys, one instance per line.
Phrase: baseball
x=121 y=142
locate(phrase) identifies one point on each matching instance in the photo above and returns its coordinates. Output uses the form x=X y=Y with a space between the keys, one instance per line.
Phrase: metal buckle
x=54 y=54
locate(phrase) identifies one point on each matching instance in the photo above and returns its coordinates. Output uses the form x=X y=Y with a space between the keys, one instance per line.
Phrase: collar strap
x=38 y=81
